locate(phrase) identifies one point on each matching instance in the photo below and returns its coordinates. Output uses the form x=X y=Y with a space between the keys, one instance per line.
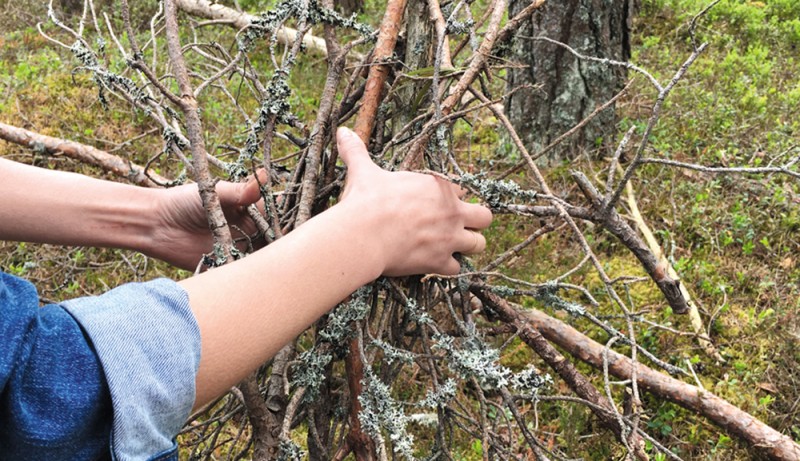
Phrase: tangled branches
x=422 y=357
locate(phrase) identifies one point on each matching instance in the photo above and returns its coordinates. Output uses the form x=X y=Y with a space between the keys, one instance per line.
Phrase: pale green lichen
x=106 y=79
x=498 y=194
x=268 y=22
x=338 y=328
x=472 y=358
x=380 y=411
x=310 y=372
x=548 y=295
x=393 y=354
x=289 y=451
x=441 y=396
x=530 y=381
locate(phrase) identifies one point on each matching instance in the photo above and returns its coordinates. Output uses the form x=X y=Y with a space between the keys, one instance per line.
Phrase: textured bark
x=358 y=441
x=81 y=152
x=194 y=130
x=567 y=90
x=320 y=133
x=258 y=415
x=418 y=55
x=275 y=404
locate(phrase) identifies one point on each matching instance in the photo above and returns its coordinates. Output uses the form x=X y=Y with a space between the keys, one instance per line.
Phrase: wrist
x=361 y=230
x=144 y=223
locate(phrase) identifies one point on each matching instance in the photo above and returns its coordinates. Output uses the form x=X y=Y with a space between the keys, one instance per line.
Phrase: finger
x=471 y=242
x=476 y=216
x=250 y=191
x=453 y=267
x=352 y=150
x=241 y=194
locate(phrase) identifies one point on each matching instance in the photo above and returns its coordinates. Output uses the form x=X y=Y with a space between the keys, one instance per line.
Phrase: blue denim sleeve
x=148 y=343
x=54 y=403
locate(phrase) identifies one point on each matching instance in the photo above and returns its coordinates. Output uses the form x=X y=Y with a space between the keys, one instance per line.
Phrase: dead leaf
x=787 y=263
x=768 y=387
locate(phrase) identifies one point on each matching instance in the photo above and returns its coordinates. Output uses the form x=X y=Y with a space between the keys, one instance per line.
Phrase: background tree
x=560 y=89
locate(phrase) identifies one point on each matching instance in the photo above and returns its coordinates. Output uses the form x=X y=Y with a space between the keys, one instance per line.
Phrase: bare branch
x=44 y=144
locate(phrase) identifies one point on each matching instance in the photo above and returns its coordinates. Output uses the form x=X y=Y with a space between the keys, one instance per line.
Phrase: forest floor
x=734 y=239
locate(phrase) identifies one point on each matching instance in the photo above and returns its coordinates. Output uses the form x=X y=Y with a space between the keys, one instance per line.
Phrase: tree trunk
x=564 y=90
x=414 y=96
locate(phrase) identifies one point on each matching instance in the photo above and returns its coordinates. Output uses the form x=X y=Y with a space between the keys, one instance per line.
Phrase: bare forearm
x=249 y=309
x=48 y=206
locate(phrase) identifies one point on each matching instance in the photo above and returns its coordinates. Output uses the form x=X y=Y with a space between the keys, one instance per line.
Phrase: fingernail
x=343 y=132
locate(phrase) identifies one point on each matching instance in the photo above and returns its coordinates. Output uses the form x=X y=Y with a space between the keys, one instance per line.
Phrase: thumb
x=251 y=190
x=241 y=194
x=352 y=150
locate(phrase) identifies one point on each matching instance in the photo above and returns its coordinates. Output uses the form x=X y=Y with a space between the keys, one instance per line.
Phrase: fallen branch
x=655 y=248
x=576 y=381
x=87 y=154
x=613 y=222
x=721 y=412
x=240 y=20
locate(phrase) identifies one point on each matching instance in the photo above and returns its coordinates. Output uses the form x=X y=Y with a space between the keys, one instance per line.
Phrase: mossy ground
x=735 y=240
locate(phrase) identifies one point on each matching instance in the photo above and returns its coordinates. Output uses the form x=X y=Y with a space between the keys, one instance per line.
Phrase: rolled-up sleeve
x=148 y=344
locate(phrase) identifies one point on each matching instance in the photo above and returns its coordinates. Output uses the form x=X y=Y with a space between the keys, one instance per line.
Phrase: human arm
x=47 y=206
x=386 y=223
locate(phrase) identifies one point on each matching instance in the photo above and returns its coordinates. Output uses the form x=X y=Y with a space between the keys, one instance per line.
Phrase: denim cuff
x=148 y=343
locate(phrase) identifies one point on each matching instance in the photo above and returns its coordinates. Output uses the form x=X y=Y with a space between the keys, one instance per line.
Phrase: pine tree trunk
x=567 y=90
x=414 y=96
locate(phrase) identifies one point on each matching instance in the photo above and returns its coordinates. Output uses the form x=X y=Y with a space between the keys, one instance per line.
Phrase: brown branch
x=262 y=420
x=655 y=248
x=258 y=414
x=379 y=71
x=358 y=442
x=361 y=444
x=731 y=418
x=321 y=131
x=194 y=128
x=576 y=381
x=611 y=220
x=83 y=153
x=137 y=61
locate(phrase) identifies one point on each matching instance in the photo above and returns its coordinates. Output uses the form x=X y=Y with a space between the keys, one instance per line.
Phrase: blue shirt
x=95 y=378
